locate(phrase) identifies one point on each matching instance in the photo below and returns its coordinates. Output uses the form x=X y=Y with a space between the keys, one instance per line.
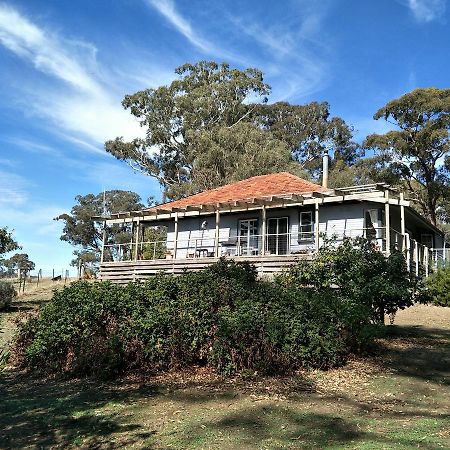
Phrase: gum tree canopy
x=85 y=234
x=417 y=154
x=213 y=125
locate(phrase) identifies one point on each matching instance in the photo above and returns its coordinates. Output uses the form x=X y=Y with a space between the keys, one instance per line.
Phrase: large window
x=374 y=220
x=248 y=237
x=277 y=235
x=306 y=226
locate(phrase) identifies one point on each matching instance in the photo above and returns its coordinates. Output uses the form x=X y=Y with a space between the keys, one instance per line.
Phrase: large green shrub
x=221 y=316
x=7 y=294
x=356 y=271
x=438 y=285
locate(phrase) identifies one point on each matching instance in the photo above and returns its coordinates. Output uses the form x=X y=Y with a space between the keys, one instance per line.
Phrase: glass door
x=277 y=235
x=248 y=237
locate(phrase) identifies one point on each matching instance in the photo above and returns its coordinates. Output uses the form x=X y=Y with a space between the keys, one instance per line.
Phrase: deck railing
x=418 y=257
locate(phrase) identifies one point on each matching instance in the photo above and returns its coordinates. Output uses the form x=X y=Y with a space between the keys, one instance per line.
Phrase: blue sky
x=65 y=66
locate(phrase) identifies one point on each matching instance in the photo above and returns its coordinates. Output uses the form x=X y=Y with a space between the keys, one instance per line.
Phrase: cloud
x=427 y=10
x=46 y=52
x=12 y=190
x=297 y=50
x=167 y=9
x=83 y=103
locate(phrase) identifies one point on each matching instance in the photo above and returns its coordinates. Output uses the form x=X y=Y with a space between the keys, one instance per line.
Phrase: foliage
x=154 y=244
x=438 y=284
x=224 y=155
x=7 y=242
x=18 y=263
x=221 y=316
x=308 y=131
x=7 y=294
x=207 y=124
x=412 y=155
x=86 y=234
x=358 y=272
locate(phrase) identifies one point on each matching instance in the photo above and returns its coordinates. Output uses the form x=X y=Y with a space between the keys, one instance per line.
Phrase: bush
x=221 y=316
x=438 y=284
x=361 y=274
x=7 y=294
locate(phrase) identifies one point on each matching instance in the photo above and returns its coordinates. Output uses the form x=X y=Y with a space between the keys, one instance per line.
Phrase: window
x=306 y=226
x=426 y=239
x=248 y=239
x=278 y=235
x=374 y=223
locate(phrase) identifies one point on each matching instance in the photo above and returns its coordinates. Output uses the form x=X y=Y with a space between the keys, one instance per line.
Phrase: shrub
x=438 y=284
x=7 y=294
x=221 y=316
x=359 y=273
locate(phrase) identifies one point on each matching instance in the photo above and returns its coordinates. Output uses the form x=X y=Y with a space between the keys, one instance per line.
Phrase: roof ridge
x=277 y=183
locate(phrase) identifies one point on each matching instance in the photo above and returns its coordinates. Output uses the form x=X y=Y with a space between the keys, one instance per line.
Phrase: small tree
x=86 y=235
x=359 y=273
x=438 y=285
x=7 y=242
x=19 y=264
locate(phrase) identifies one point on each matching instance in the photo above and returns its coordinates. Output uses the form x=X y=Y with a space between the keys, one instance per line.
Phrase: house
x=271 y=220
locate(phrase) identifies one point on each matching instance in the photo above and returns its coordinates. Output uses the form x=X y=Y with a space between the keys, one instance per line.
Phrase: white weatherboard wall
x=333 y=219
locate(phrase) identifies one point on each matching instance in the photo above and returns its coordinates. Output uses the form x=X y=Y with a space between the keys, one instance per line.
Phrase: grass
x=397 y=399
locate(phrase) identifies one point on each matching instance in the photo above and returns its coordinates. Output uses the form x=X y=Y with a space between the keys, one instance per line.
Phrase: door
x=277 y=235
x=248 y=237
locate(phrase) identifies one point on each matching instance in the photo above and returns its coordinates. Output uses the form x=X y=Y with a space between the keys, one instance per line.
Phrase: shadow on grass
x=422 y=353
x=40 y=413
x=285 y=427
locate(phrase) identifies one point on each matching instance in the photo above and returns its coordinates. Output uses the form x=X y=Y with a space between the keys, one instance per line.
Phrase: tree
x=360 y=274
x=308 y=131
x=342 y=174
x=7 y=242
x=416 y=156
x=200 y=122
x=19 y=263
x=87 y=235
x=225 y=155
x=206 y=95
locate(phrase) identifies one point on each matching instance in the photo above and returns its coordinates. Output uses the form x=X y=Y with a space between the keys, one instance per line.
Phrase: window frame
x=306 y=236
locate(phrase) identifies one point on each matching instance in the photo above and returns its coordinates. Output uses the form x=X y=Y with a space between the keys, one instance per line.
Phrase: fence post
x=408 y=252
x=416 y=251
x=387 y=222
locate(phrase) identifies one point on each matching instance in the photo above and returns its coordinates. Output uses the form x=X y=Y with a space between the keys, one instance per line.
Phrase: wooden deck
x=126 y=271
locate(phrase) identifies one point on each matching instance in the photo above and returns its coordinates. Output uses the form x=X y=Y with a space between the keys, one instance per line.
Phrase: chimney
x=325 y=161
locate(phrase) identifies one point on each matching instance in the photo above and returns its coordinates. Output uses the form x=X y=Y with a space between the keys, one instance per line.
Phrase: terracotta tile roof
x=282 y=183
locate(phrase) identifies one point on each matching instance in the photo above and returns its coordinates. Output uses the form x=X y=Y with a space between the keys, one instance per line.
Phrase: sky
x=65 y=66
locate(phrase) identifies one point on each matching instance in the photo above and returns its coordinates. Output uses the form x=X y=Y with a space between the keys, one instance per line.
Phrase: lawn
x=399 y=398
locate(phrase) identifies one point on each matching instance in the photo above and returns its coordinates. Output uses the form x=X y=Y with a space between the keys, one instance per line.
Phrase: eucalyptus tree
x=416 y=154
x=214 y=124
x=85 y=234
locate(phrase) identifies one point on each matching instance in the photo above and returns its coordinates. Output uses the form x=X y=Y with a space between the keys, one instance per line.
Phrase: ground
x=397 y=399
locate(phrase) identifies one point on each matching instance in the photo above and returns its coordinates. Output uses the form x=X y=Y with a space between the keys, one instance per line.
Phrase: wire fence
x=23 y=281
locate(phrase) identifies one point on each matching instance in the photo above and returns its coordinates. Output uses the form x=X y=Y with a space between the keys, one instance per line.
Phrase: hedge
x=222 y=317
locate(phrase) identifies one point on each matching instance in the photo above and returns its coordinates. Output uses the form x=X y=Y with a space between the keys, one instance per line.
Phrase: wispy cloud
x=296 y=49
x=83 y=103
x=427 y=10
x=45 y=51
x=167 y=9
x=13 y=190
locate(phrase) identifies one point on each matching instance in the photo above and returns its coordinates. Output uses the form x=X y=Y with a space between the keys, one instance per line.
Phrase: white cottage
x=272 y=221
